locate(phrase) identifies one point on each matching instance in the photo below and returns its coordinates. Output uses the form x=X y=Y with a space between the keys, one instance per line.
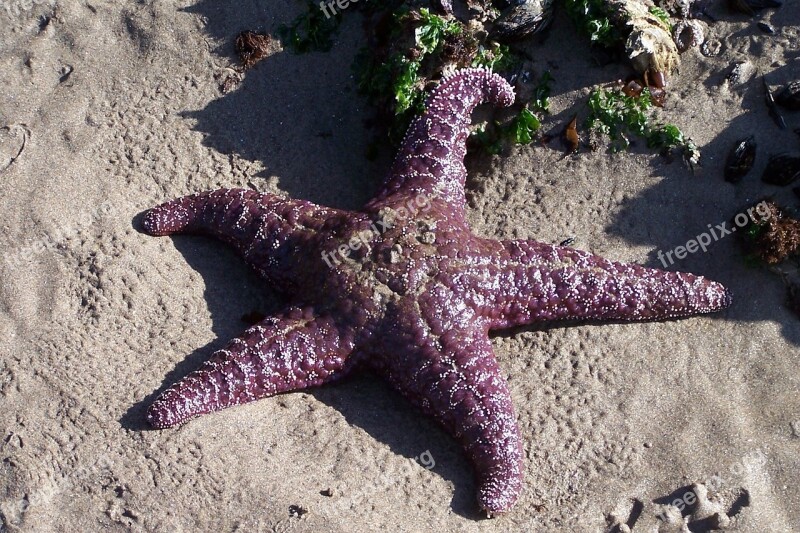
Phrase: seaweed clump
x=311 y=31
x=409 y=48
x=771 y=237
x=621 y=115
x=252 y=47
x=405 y=50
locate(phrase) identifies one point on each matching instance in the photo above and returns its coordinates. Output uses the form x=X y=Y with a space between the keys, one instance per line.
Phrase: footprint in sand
x=703 y=512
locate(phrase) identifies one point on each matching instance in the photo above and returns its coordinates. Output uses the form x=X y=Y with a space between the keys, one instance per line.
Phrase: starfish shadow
x=296 y=115
x=367 y=403
x=233 y=292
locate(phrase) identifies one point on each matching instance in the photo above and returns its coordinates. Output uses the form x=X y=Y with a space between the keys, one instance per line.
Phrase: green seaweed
x=398 y=75
x=619 y=116
x=413 y=46
x=524 y=126
x=592 y=18
x=665 y=136
x=395 y=79
x=407 y=93
x=497 y=57
x=522 y=129
x=310 y=31
x=540 y=100
x=430 y=34
x=753 y=231
x=661 y=15
x=490 y=143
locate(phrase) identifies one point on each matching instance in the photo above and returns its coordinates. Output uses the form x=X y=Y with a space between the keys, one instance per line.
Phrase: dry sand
x=118 y=105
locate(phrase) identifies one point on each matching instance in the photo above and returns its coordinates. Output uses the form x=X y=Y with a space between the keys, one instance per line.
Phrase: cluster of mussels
x=783 y=168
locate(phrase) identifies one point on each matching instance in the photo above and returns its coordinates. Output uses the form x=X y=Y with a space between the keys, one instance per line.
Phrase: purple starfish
x=404 y=289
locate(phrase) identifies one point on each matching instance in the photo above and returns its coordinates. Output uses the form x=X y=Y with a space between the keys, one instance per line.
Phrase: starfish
x=403 y=288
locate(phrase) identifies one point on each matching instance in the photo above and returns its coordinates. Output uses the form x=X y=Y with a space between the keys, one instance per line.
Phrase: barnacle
x=649 y=45
x=688 y=33
x=638 y=26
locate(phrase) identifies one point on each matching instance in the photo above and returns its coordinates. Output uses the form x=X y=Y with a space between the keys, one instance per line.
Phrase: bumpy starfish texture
x=403 y=288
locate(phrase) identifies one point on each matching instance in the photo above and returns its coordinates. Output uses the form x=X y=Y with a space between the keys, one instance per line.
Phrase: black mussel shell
x=766 y=28
x=789 y=97
x=519 y=21
x=740 y=160
x=782 y=169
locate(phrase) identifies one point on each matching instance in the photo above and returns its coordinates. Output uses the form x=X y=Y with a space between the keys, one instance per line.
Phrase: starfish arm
x=528 y=281
x=292 y=352
x=453 y=377
x=430 y=164
x=240 y=217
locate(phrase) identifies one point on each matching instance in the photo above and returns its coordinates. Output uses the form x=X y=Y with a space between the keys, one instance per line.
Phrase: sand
x=109 y=108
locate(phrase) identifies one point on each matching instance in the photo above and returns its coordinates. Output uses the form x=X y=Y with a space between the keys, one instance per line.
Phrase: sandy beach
x=110 y=108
